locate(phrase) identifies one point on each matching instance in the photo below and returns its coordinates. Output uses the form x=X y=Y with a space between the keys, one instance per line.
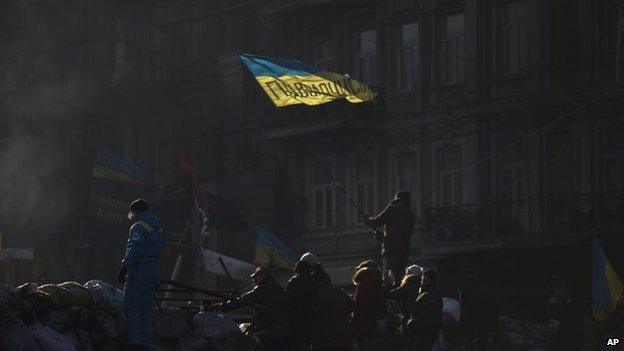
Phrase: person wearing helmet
x=398 y=221
x=270 y=303
x=407 y=292
x=320 y=277
x=139 y=273
x=424 y=325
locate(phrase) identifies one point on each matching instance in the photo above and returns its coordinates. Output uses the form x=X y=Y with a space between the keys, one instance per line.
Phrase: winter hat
x=414 y=269
x=303 y=267
x=403 y=194
x=310 y=258
x=139 y=205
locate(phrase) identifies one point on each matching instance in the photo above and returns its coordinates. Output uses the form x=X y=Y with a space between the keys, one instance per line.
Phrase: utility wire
x=485 y=159
x=314 y=31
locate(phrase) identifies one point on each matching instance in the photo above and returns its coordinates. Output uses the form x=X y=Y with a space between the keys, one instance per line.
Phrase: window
x=120 y=55
x=610 y=18
x=450 y=182
x=453 y=49
x=120 y=69
x=234 y=34
x=407 y=177
x=196 y=33
x=8 y=76
x=366 y=68
x=362 y=175
x=322 y=195
x=324 y=54
x=612 y=150
x=511 y=181
x=407 y=55
x=515 y=37
x=614 y=172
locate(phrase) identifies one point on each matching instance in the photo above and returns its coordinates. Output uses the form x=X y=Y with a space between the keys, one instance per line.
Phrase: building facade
x=500 y=117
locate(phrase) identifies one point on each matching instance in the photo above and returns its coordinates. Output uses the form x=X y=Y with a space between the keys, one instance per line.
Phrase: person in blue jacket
x=139 y=273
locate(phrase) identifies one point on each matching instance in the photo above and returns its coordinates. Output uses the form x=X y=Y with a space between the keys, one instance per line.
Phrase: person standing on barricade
x=426 y=318
x=139 y=272
x=271 y=313
x=398 y=221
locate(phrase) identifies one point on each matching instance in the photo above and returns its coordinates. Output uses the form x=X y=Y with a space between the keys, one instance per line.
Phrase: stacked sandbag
x=80 y=339
x=68 y=294
x=106 y=296
x=526 y=335
x=105 y=326
x=16 y=336
x=50 y=340
x=7 y=297
x=212 y=325
x=172 y=323
x=73 y=317
x=212 y=331
x=54 y=317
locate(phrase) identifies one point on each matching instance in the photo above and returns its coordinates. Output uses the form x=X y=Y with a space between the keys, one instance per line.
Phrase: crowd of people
x=310 y=313
x=400 y=309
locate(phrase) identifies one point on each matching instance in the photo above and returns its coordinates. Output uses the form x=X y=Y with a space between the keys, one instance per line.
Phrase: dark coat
x=398 y=221
x=302 y=292
x=320 y=277
x=367 y=283
x=406 y=293
x=272 y=297
x=334 y=309
x=571 y=311
x=426 y=319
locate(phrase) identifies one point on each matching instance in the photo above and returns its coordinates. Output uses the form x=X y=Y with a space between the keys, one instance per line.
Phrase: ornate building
x=500 y=117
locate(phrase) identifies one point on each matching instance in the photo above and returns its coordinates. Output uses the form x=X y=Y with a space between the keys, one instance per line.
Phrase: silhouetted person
x=407 y=292
x=570 y=309
x=398 y=221
x=318 y=274
x=334 y=310
x=479 y=309
x=369 y=306
x=426 y=319
x=302 y=291
x=614 y=325
x=271 y=313
x=139 y=272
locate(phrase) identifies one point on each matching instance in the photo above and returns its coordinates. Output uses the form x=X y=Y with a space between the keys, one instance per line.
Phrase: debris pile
x=525 y=335
x=89 y=317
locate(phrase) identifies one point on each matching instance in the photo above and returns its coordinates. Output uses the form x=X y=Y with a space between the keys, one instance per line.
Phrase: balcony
x=537 y=218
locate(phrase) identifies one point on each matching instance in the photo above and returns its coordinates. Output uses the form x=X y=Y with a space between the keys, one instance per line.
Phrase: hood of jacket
x=148 y=218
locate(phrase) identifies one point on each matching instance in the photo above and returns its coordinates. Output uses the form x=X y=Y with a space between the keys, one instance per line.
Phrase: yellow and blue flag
x=290 y=82
x=607 y=285
x=270 y=251
x=110 y=166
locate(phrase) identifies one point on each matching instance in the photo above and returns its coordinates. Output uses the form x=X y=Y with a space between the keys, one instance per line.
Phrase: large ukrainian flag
x=289 y=82
x=607 y=286
x=271 y=251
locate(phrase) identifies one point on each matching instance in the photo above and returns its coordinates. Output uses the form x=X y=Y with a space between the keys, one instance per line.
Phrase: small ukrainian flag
x=290 y=82
x=273 y=252
x=607 y=285
x=109 y=166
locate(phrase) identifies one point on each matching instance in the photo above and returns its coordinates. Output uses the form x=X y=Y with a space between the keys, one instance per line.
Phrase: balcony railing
x=530 y=218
